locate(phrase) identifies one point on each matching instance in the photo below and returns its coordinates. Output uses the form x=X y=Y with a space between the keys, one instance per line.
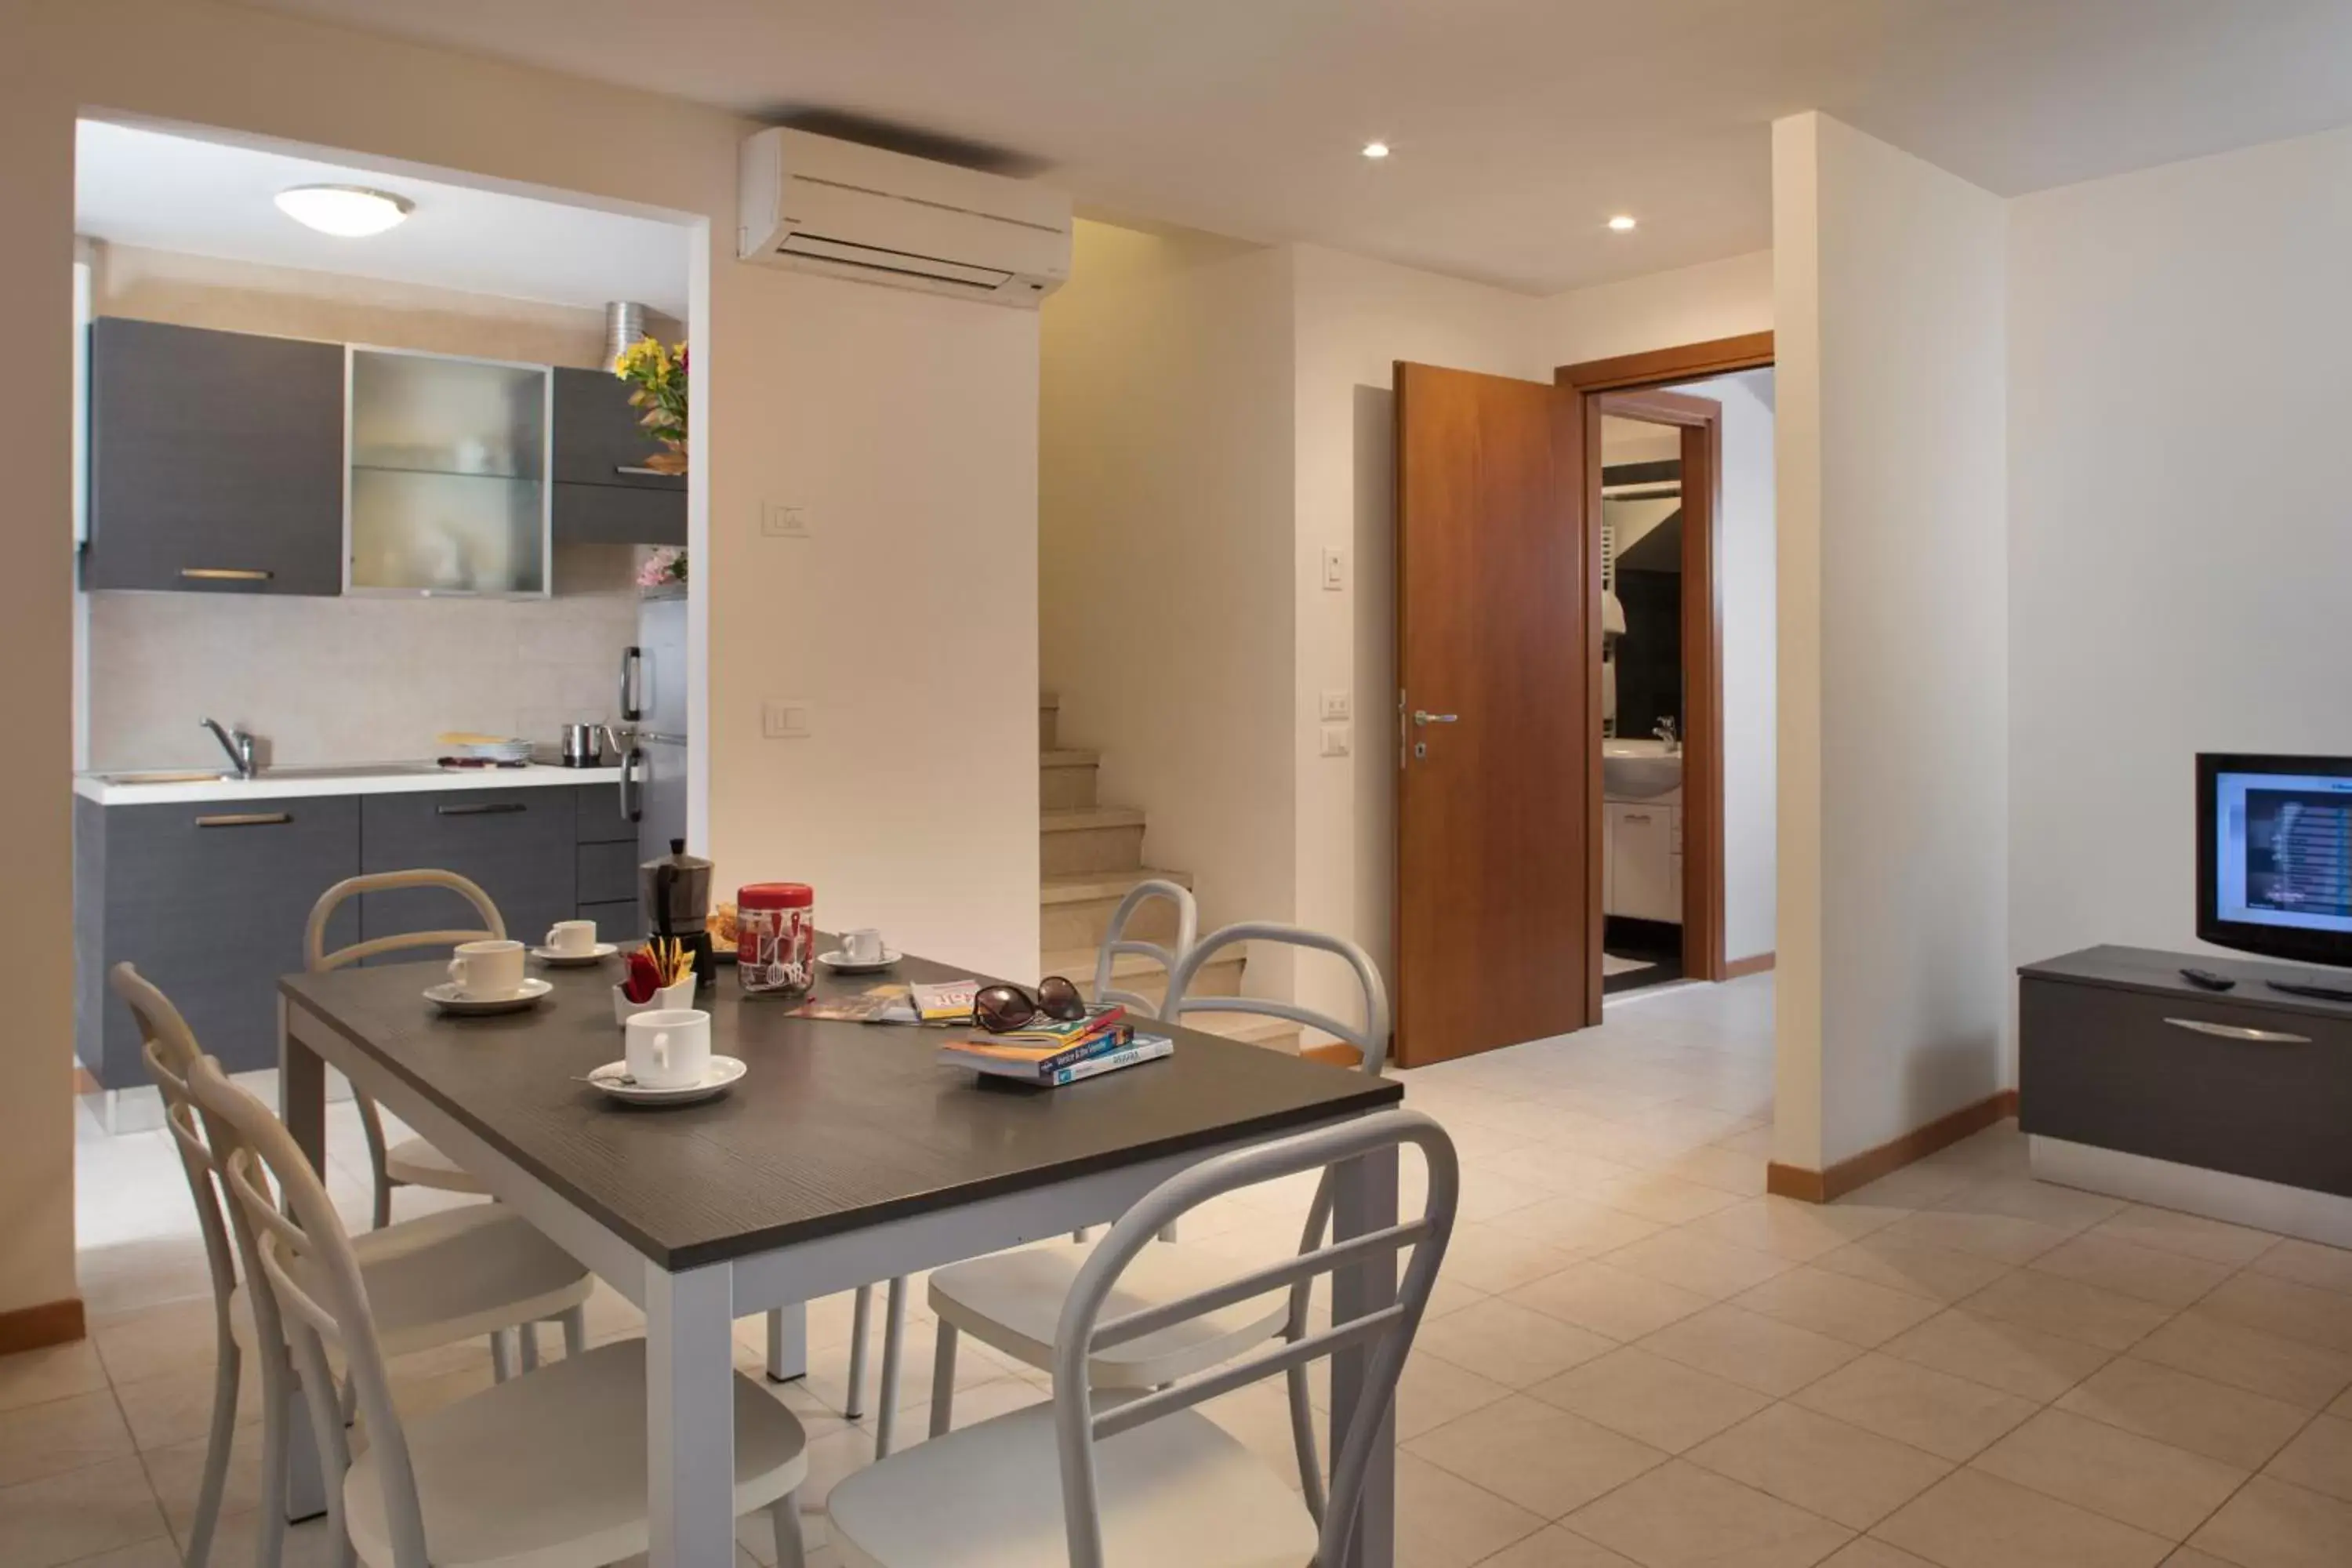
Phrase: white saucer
x=613 y=1078
x=450 y=999
x=596 y=954
x=841 y=963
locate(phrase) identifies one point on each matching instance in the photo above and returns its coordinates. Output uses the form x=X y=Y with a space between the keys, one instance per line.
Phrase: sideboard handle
x=2239 y=1032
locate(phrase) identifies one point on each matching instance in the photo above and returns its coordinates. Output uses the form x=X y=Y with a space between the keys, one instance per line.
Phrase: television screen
x=2275 y=855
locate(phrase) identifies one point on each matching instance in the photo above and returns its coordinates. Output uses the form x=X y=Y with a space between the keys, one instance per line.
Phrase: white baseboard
x=2216 y=1195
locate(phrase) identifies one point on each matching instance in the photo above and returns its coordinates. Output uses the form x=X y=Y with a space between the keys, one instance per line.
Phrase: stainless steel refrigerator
x=653 y=703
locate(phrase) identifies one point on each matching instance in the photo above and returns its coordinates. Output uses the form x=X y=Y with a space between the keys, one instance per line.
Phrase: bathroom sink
x=1638 y=770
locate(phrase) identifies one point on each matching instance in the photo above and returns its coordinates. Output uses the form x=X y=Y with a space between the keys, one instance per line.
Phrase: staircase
x=1092 y=855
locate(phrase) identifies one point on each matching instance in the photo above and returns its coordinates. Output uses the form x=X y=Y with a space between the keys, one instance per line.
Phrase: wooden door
x=1495 y=724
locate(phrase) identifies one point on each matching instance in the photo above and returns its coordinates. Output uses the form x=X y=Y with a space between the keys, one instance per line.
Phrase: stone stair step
x=1134 y=972
x=1274 y=1033
x=1075 y=910
x=1065 y=778
x=1090 y=838
x=1049 y=720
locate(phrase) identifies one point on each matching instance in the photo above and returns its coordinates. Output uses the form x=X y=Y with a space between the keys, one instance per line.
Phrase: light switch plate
x=780 y=521
x=1335 y=740
x=1335 y=569
x=1336 y=705
x=787 y=718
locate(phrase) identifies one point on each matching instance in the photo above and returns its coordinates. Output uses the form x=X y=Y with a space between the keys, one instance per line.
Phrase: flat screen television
x=2275 y=855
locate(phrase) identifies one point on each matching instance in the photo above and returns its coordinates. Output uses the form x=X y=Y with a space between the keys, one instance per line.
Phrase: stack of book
x=1053 y=1052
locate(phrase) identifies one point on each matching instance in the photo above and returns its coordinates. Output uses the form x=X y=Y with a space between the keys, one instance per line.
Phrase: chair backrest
x=1371 y=1038
x=170 y=1049
x=315 y=955
x=303 y=1257
x=1116 y=941
x=1384 y=1336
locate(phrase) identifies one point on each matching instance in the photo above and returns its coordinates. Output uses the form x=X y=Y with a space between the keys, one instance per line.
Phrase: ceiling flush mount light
x=1622 y=223
x=352 y=212
x=1376 y=149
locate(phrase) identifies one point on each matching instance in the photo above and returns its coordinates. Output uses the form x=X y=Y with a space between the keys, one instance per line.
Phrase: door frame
x=1629 y=386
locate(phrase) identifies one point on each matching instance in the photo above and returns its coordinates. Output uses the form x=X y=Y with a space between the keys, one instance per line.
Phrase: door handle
x=1421 y=716
x=2239 y=1032
x=631 y=792
x=630 y=659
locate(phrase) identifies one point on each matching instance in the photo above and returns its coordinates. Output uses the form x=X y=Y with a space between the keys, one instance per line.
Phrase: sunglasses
x=1000 y=1009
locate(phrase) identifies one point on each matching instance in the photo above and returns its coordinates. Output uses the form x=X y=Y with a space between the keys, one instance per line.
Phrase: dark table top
x=836 y=1126
x=2157 y=974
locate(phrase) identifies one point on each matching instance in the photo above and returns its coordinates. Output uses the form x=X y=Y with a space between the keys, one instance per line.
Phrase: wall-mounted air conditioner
x=820 y=205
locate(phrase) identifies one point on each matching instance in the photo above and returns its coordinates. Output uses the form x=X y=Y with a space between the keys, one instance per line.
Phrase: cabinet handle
x=226 y=573
x=1635 y=817
x=248 y=819
x=482 y=808
x=2239 y=1032
x=639 y=471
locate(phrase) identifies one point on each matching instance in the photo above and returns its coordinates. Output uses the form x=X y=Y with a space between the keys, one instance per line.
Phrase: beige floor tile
x=2281 y=1307
x=177 y=1472
x=1432 y=1391
x=2063 y=1208
x=1680 y=1516
x=1444 y=1522
x=81 y=1512
x=2227 y=1352
x=178 y=1408
x=2000 y=1237
x=1972 y=1519
x=2135 y=1479
x=1869 y=1553
x=1821 y=1465
x=2270 y=1524
x=1939 y=1273
x=157 y=1552
x=2063 y=1307
x=1553 y=1547
x=1538 y=1455
x=2343 y=1405
x=1494 y=1260
x=2166 y=1278
x=1609 y=1301
x=1853 y=1310
x=1756 y=1352
x=2320 y=1458
x=175 y=1337
x=1576 y=1227
x=1509 y=1342
x=1948 y=1417
x=2191 y=1235
x=1796 y=1231
x=2222 y=1422
x=2308 y=1263
x=1485 y=1194
x=1650 y=1399
x=2010 y=1356
x=38 y=1440
x=1727 y=1170
x=1668 y=1200
x=56 y=1371
x=1569 y=1161
x=1714 y=1270
x=2189 y=1557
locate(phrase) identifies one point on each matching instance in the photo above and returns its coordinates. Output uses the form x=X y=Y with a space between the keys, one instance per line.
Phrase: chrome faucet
x=1665 y=730
x=238 y=745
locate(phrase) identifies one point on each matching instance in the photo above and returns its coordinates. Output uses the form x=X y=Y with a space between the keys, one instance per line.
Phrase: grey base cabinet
x=209 y=902
x=518 y=844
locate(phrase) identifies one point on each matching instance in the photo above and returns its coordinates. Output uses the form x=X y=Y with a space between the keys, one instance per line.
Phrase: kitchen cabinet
x=448 y=474
x=215 y=461
x=605 y=494
x=518 y=844
x=209 y=900
x=1643 y=876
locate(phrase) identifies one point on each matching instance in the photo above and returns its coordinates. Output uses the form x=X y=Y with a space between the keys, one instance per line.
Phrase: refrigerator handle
x=631 y=663
x=633 y=789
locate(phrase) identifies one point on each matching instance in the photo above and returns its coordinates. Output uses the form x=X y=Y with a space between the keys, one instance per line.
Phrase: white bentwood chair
x=1148 y=1482
x=1116 y=942
x=547 y=1469
x=1013 y=1302
x=440 y=1280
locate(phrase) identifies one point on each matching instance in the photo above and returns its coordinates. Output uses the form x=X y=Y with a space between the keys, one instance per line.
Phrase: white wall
x=1164 y=549
x=907 y=423
x=1662 y=310
x=2177 y=552
x=1890 y=313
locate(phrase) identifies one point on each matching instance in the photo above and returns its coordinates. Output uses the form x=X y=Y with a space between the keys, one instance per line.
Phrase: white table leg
x=788 y=1342
x=302 y=1106
x=1365 y=1200
x=690 y=1416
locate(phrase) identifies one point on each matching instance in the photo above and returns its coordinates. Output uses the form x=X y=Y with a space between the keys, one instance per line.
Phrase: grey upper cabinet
x=604 y=493
x=215 y=460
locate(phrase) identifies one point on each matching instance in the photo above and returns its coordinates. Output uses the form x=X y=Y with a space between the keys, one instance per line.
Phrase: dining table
x=847 y=1155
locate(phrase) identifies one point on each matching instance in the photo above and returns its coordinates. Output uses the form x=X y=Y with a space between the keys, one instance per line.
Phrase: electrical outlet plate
x=1335 y=740
x=1336 y=705
x=1335 y=569
x=780 y=521
x=787 y=718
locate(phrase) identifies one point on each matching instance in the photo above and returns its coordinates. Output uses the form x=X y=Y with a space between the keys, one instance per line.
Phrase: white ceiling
x=136 y=186
x=1518 y=125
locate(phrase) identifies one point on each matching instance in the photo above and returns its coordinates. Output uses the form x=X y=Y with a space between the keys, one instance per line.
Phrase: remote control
x=2205 y=979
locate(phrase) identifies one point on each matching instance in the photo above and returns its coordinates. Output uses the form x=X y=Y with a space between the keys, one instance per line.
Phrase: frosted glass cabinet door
x=448 y=474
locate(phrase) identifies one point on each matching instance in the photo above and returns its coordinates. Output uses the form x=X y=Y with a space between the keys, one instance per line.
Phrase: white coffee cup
x=670 y=1048
x=486 y=971
x=573 y=939
x=863 y=946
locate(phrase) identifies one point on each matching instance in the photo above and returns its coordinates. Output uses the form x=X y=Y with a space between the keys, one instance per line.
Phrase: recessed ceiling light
x=1622 y=223
x=1376 y=149
x=352 y=212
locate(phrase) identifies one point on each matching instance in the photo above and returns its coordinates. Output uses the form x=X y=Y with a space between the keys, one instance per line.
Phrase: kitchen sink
x=167 y=776
x=354 y=770
x=1638 y=770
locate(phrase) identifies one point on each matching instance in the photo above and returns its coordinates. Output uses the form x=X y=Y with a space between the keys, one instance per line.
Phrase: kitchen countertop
x=364 y=779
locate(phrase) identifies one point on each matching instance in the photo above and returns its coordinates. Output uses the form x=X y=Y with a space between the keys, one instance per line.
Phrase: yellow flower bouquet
x=657 y=378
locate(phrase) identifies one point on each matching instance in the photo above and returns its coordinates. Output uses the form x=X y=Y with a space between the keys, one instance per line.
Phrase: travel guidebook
x=1052 y=1051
